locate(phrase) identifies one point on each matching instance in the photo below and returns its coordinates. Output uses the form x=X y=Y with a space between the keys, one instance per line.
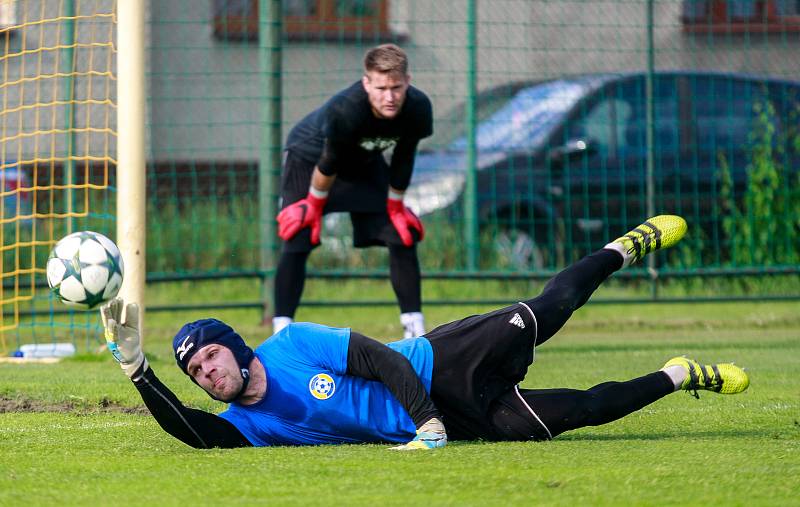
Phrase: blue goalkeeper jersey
x=310 y=400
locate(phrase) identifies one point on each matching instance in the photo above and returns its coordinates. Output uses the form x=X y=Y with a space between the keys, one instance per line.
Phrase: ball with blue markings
x=85 y=269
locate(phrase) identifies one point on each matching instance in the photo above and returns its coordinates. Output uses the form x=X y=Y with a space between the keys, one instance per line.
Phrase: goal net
x=57 y=154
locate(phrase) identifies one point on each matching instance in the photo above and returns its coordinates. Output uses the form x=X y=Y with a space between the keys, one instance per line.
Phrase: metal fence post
x=269 y=154
x=651 y=260
x=470 y=200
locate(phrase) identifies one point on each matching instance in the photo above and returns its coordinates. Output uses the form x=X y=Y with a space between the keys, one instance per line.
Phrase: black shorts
x=369 y=229
x=365 y=200
x=478 y=361
x=513 y=417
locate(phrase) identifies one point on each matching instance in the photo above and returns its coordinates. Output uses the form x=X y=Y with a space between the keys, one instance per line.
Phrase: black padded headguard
x=196 y=335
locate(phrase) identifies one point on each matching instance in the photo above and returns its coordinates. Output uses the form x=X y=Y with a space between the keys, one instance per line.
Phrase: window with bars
x=305 y=19
x=741 y=16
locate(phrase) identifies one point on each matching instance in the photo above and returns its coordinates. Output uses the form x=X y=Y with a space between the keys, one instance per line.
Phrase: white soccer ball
x=85 y=269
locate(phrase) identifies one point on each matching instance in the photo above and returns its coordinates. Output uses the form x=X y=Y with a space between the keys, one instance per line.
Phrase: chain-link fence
x=558 y=125
x=587 y=118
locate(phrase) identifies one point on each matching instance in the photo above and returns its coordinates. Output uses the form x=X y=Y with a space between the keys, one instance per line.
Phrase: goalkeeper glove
x=122 y=338
x=430 y=435
x=303 y=213
x=403 y=220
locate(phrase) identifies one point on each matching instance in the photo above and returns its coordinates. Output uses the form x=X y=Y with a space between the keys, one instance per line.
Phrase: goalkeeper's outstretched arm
x=191 y=426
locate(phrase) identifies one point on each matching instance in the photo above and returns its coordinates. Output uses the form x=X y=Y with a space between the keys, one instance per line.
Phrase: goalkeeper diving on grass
x=311 y=384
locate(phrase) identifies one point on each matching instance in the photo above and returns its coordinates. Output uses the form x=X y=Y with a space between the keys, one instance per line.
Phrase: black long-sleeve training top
x=366 y=358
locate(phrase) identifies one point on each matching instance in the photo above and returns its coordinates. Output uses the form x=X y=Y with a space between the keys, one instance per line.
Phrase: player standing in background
x=334 y=161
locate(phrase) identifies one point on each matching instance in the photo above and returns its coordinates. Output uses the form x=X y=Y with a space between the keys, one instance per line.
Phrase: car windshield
x=526 y=118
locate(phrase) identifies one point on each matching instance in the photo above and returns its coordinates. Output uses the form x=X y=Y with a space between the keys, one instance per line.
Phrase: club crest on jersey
x=322 y=386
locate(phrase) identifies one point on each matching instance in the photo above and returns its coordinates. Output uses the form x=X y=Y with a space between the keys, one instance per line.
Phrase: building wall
x=44 y=93
x=205 y=93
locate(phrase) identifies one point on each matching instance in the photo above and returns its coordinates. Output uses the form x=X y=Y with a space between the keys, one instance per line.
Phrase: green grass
x=71 y=438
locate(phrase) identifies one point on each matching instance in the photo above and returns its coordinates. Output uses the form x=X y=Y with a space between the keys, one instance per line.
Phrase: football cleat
x=659 y=232
x=724 y=378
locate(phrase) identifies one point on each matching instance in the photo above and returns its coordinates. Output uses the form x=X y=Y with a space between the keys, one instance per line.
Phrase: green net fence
x=588 y=117
x=558 y=125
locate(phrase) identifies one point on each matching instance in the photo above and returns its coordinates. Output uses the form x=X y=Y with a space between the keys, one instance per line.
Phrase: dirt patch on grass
x=77 y=406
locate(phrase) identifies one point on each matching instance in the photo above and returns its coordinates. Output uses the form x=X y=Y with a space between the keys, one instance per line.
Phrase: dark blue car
x=562 y=165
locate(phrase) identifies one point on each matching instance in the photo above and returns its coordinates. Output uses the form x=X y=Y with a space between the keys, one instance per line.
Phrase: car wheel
x=517 y=249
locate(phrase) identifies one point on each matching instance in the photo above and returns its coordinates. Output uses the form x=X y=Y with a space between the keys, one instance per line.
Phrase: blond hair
x=386 y=59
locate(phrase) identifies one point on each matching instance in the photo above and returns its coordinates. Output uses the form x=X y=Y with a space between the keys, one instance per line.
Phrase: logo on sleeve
x=322 y=386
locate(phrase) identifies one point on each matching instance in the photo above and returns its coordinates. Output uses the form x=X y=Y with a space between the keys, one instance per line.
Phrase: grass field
x=75 y=433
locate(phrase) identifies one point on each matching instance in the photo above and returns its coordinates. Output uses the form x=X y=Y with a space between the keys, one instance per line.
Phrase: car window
x=527 y=118
x=666 y=116
x=604 y=124
x=723 y=111
x=451 y=126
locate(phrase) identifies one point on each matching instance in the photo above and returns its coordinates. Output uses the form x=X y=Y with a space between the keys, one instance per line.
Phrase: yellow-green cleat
x=658 y=232
x=724 y=378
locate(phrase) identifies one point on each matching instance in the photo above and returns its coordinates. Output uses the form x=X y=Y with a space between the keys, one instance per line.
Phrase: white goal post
x=131 y=172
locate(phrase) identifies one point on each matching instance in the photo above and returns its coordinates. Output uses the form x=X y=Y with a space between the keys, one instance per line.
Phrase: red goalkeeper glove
x=303 y=213
x=404 y=220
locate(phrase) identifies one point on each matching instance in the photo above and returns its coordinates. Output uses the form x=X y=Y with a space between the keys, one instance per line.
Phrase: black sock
x=290 y=278
x=405 y=276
